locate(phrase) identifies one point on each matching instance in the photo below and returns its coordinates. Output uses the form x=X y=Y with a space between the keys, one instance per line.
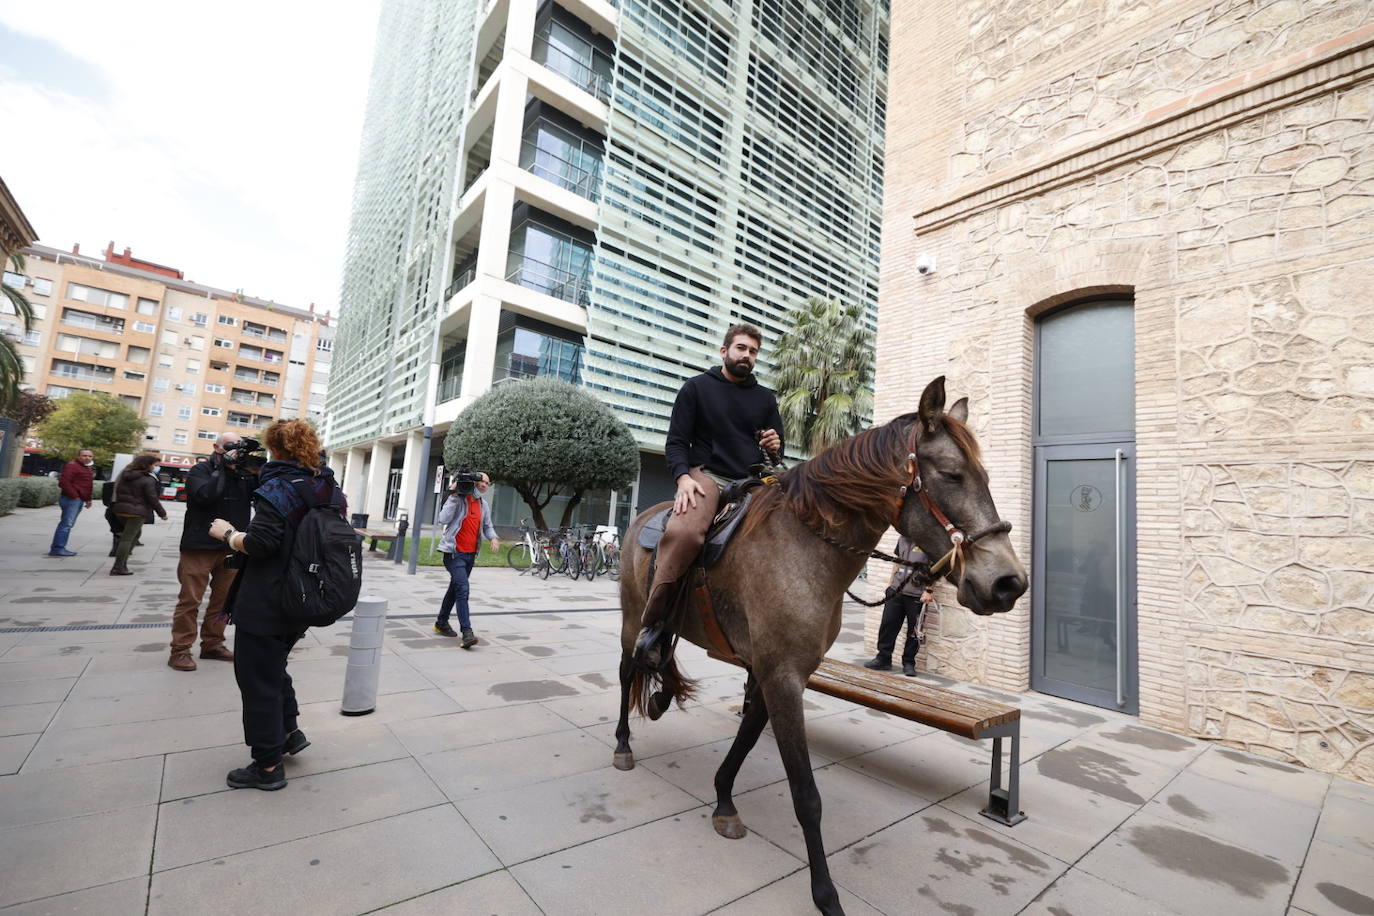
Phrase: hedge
x=36 y=492
x=10 y=488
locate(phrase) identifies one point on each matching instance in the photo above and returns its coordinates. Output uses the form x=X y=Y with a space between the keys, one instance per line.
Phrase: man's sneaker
x=469 y=639
x=295 y=743
x=878 y=663
x=61 y=552
x=255 y=777
x=443 y=629
x=182 y=661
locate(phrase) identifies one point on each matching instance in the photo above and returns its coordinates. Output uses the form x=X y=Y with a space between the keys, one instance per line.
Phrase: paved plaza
x=483 y=782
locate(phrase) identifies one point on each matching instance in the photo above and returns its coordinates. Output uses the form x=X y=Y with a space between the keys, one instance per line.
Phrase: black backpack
x=324 y=571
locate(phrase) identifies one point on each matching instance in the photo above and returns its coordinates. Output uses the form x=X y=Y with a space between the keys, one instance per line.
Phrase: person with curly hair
x=266 y=634
x=135 y=501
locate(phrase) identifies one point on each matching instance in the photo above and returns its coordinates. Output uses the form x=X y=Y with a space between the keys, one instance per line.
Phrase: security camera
x=925 y=264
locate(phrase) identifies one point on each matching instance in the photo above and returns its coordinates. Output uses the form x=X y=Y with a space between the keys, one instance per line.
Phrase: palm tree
x=11 y=365
x=824 y=374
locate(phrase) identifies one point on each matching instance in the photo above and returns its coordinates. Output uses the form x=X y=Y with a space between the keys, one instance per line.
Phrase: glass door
x=1084 y=549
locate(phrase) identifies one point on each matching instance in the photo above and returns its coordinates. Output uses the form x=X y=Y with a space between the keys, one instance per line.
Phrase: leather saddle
x=734 y=502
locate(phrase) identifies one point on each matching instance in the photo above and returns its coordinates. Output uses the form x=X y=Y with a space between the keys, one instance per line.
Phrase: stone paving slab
x=1335 y=880
x=496 y=892
x=1076 y=892
x=53 y=857
x=50 y=795
x=791 y=895
x=118 y=899
x=14 y=750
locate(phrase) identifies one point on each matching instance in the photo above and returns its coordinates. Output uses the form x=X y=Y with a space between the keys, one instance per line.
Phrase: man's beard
x=739 y=368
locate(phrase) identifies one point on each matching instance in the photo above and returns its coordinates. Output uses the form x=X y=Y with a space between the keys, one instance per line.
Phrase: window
x=86 y=346
x=193 y=366
x=196 y=342
x=184 y=412
x=146 y=306
x=14 y=280
x=147 y=327
x=210 y=411
x=169 y=338
x=40 y=311
x=130 y=401
x=179 y=438
x=205 y=433
x=325 y=345
x=226 y=344
x=200 y=319
x=97 y=296
x=57 y=391
x=161 y=384
x=79 y=319
x=42 y=287
x=138 y=354
x=155 y=408
x=212 y=388
x=270 y=378
x=187 y=388
x=165 y=362
x=173 y=313
x=32 y=337
x=227 y=320
x=135 y=376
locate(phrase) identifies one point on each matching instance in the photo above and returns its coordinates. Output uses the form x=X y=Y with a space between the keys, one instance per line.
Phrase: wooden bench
x=379 y=534
x=938 y=707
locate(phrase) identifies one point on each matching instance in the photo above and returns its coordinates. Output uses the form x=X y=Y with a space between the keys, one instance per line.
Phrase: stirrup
x=649 y=655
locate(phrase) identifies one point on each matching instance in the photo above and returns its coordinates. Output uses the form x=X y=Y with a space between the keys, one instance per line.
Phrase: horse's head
x=987 y=572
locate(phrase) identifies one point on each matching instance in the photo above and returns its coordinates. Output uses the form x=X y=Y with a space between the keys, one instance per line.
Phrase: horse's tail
x=669 y=680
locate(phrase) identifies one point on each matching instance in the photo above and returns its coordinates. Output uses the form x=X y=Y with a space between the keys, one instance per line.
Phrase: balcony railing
x=84 y=375
x=554 y=281
x=574 y=70
x=553 y=167
x=460 y=281
x=93 y=325
x=450 y=387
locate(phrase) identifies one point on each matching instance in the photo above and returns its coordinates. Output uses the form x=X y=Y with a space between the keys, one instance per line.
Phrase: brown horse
x=778 y=589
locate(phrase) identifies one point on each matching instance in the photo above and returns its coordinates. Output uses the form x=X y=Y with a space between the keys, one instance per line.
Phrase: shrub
x=9 y=494
x=36 y=492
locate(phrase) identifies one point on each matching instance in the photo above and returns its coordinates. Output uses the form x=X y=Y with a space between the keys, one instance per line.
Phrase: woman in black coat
x=135 y=501
x=265 y=634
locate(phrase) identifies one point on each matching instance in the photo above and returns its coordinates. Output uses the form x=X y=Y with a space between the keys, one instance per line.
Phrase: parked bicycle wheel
x=589 y=561
x=572 y=561
x=518 y=557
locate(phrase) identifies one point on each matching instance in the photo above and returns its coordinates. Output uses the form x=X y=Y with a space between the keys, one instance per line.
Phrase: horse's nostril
x=1008 y=588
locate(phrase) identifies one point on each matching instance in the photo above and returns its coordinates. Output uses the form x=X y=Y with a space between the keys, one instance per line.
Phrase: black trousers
x=898 y=610
x=269 y=700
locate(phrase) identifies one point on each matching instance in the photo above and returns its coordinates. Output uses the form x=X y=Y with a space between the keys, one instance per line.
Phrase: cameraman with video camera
x=466 y=519
x=221 y=486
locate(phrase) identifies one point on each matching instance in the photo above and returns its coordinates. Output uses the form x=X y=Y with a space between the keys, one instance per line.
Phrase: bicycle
x=608 y=550
x=523 y=555
x=569 y=556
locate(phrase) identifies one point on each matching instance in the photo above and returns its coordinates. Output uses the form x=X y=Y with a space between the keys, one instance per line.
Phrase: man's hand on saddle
x=687 y=492
x=770 y=440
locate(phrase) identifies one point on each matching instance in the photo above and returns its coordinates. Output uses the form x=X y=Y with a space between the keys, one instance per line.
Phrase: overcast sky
x=221 y=139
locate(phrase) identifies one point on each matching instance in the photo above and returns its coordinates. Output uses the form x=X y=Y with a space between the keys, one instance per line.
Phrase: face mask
x=154 y=469
x=88 y=463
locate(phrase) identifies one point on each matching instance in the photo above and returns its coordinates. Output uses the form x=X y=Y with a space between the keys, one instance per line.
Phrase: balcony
x=570 y=68
x=553 y=167
x=83 y=371
x=460 y=281
x=550 y=280
x=92 y=324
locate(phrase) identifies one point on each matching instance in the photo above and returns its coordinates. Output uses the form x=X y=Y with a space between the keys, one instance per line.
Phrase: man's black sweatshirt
x=714 y=424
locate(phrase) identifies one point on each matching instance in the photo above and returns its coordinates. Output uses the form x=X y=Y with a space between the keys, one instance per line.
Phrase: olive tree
x=544 y=437
x=95 y=421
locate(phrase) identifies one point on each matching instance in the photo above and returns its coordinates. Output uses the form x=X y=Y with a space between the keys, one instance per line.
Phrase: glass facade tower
x=596 y=190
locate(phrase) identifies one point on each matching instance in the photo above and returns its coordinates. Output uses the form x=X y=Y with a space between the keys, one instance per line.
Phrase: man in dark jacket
x=217 y=488
x=904 y=607
x=721 y=419
x=78 y=477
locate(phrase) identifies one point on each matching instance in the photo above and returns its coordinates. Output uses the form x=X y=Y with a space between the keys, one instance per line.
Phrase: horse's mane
x=857 y=477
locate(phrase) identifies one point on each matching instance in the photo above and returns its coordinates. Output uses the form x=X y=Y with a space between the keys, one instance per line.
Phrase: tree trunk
x=531 y=498
x=568 y=509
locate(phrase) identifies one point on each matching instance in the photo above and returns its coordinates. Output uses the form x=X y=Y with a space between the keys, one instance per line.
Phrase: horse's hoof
x=729 y=826
x=623 y=761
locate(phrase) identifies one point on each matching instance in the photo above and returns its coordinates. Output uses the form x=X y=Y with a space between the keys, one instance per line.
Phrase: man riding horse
x=721 y=419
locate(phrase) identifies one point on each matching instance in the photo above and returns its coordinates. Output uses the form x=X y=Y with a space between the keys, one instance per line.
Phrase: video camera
x=245 y=455
x=465 y=481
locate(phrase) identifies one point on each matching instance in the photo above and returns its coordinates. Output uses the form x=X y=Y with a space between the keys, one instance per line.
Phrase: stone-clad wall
x=1242 y=222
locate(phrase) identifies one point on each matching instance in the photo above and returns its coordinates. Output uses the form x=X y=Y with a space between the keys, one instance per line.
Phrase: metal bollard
x=398 y=543
x=364 y=657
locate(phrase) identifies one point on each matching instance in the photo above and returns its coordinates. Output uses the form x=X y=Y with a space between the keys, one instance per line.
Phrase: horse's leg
x=725 y=818
x=783 y=691
x=624 y=758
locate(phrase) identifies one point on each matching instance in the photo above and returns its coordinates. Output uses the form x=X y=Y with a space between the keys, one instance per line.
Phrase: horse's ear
x=932 y=404
x=959 y=410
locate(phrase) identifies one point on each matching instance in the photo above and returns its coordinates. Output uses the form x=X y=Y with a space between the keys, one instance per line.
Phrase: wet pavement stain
x=537 y=651
x=1247 y=873
x=152 y=618
x=958 y=909
x=1254 y=761
x=512 y=637
x=1187 y=809
x=517 y=691
x=596 y=810
x=1346 y=899
x=81 y=623
x=1149 y=738
x=940 y=825
x=845 y=636
x=1091 y=769
x=339 y=650
x=69 y=650
x=150 y=647
x=1063 y=716
x=858 y=854
x=597 y=680
x=542 y=617
x=73 y=599
x=1018 y=856
x=424 y=643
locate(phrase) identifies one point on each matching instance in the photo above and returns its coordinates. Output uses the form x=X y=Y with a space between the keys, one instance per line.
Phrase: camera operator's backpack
x=324 y=571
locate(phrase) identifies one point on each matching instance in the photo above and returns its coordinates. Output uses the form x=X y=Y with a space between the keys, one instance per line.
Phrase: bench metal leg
x=1004 y=805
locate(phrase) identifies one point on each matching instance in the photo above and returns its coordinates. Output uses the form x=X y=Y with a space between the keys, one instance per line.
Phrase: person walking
x=75 y=485
x=135 y=501
x=466 y=518
x=221 y=486
x=721 y=418
x=264 y=633
x=903 y=607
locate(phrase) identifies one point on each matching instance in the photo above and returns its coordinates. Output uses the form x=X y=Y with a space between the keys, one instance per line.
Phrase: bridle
x=959 y=541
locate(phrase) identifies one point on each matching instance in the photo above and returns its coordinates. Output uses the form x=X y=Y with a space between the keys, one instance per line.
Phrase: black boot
x=879 y=662
x=909 y=669
x=114 y=545
x=652 y=645
x=120 y=571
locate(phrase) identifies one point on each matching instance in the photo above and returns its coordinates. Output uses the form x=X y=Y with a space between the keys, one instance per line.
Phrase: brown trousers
x=680 y=545
x=196 y=569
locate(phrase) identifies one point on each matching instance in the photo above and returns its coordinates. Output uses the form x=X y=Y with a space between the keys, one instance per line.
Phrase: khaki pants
x=196 y=569
x=681 y=543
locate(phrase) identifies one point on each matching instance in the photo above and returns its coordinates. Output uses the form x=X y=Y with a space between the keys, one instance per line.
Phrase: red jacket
x=76 y=480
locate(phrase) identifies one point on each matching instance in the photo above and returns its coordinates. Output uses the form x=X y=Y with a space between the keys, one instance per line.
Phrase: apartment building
x=192 y=360
x=595 y=191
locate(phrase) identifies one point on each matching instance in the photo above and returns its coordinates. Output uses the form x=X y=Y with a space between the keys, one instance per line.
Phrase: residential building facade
x=1152 y=237
x=595 y=191
x=191 y=360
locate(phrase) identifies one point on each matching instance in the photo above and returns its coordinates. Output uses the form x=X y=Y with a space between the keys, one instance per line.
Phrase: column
x=353 y=478
x=379 y=472
x=412 y=474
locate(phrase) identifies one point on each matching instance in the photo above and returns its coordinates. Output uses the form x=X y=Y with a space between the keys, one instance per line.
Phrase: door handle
x=1120 y=581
